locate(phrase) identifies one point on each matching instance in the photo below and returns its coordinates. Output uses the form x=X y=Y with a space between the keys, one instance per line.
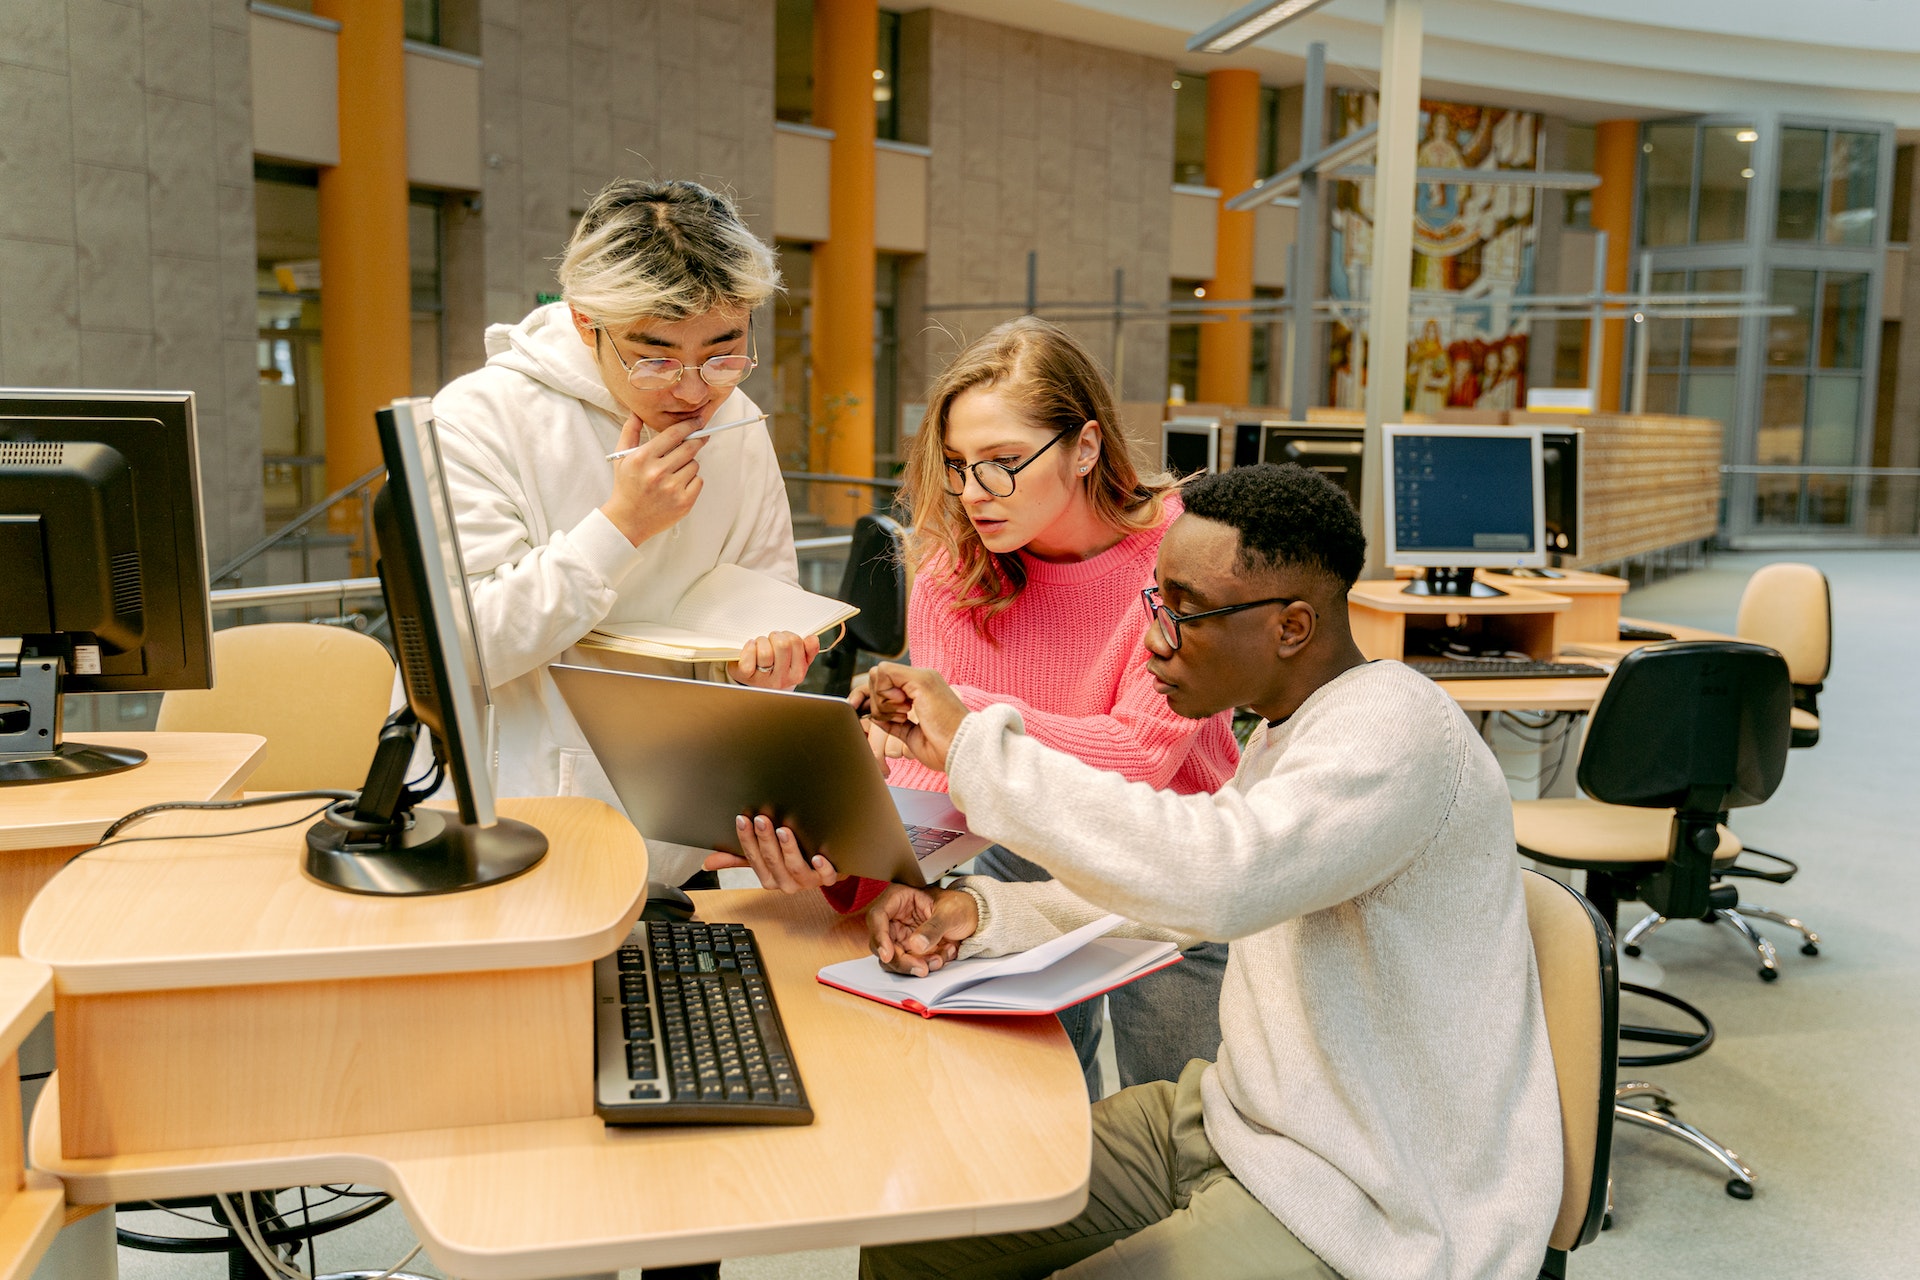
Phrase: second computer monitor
x=1460 y=498
x=1560 y=470
x=1332 y=449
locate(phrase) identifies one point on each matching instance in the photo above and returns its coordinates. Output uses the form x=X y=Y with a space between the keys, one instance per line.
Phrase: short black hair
x=1286 y=515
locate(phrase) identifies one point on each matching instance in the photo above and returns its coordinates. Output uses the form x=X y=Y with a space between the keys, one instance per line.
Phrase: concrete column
x=1233 y=153
x=846 y=36
x=1616 y=158
x=367 y=352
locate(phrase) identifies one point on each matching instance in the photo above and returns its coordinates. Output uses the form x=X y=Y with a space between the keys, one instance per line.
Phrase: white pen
x=618 y=454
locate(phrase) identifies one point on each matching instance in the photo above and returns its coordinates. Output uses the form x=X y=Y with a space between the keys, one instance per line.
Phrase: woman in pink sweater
x=1032 y=538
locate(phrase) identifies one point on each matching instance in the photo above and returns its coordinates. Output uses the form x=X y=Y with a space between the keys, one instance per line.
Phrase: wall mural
x=1475 y=243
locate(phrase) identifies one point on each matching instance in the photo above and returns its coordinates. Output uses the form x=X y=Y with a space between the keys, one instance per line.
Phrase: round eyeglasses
x=660 y=373
x=995 y=477
x=1170 y=622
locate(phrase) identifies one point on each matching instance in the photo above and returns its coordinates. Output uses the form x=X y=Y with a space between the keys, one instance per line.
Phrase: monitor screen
x=1187 y=447
x=425 y=581
x=1334 y=451
x=1560 y=473
x=1464 y=496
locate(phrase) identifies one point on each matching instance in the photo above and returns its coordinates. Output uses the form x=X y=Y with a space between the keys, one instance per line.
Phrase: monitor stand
x=31 y=748
x=1455 y=582
x=381 y=843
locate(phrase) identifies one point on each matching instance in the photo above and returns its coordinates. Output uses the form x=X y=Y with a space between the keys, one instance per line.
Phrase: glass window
x=423 y=21
x=1663 y=393
x=1709 y=395
x=1271 y=146
x=1790 y=338
x=792 y=357
x=1776 y=500
x=1183 y=349
x=1714 y=340
x=1900 y=219
x=1726 y=169
x=1666 y=338
x=793 y=61
x=1783 y=411
x=1667 y=193
x=1833 y=421
x=423 y=274
x=1829 y=500
x=1190 y=128
x=886 y=78
x=1852 y=188
x=1843 y=320
x=1802 y=155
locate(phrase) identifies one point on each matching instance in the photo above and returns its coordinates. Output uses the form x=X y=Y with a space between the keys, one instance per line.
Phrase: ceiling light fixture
x=1245 y=25
x=1747 y=135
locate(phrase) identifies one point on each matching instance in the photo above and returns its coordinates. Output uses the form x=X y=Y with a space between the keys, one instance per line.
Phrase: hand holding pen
x=655 y=482
x=701 y=434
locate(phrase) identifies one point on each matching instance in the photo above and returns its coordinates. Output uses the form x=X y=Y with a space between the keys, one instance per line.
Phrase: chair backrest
x=1696 y=726
x=1789 y=607
x=1580 y=990
x=876 y=583
x=317 y=694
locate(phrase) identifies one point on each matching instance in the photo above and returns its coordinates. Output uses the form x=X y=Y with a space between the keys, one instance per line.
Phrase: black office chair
x=1684 y=732
x=875 y=582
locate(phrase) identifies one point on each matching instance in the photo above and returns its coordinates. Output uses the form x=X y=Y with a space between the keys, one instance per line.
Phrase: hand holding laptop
x=775 y=856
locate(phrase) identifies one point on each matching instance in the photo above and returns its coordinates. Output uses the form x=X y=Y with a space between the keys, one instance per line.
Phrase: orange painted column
x=846 y=37
x=366 y=353
x=1233 y=155
x=1616 y=158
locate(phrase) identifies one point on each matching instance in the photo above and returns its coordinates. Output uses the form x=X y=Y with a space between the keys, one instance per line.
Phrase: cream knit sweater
x=1384 y=1084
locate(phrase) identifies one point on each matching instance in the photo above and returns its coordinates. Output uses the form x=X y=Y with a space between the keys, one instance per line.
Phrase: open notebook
x=1064 y=971
x=722 y=611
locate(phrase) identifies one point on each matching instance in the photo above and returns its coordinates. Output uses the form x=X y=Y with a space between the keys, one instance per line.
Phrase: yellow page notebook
x=721 y=612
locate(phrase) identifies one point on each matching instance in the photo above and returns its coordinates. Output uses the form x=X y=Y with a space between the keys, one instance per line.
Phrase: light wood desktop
x=42 y=825
x=440 y=1047
x=31 y=1202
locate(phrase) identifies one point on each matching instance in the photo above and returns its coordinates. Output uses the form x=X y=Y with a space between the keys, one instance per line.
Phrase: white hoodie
x=525 y=441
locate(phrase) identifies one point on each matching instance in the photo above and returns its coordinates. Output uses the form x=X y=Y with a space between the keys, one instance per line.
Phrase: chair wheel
x=1769 y=975
x=1808 y=949
x=1740 y=1189
x=1633 y=950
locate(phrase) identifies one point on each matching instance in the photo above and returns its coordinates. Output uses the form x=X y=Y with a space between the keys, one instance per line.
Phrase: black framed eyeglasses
x=996 y=477
x=1170 y=622
x=659 y=373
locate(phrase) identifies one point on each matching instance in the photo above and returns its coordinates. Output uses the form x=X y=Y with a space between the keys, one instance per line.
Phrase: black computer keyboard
x=1500 y=669
x=686 y=1031
x=926 y=840
x=1644 y=633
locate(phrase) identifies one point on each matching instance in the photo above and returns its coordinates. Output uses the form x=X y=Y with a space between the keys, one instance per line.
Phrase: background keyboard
x=1500 y=669
x=686 y=1031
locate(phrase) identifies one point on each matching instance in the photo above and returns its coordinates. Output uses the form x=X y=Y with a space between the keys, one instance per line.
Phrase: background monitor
x=1561 y=481
x=103 y=566
x=1332 y=450
x=1188 y=445
x=1460 y=498
x=379 y=842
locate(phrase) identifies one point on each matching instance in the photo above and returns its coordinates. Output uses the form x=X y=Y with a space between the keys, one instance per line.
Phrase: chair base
x=1735 y=919
x=1659 y=1117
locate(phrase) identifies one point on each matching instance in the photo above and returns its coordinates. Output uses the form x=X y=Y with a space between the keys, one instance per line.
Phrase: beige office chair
x=1788 y=608
x=317 y=694
x=1579 y=988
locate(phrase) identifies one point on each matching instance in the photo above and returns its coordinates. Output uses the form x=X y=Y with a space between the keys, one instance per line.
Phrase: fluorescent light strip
x=1245 y=25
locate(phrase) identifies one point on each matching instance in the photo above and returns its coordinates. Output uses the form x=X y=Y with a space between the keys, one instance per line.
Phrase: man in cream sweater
x=651 y=343
x=1383 y=1104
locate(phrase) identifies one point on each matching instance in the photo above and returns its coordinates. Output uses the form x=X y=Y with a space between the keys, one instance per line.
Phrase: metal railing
x=1854 y=506
x=298 y=525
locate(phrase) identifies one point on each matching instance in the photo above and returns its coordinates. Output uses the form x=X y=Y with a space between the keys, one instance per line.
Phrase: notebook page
x=1100 y=965
x=740 y=604
x=867 y=974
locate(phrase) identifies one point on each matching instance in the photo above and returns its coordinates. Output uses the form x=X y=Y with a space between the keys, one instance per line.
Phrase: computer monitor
x=381 y=842
x=1560 y=463
x=1332 y=450
x=1188 y=445
x=103 y=566
x=1461 y=498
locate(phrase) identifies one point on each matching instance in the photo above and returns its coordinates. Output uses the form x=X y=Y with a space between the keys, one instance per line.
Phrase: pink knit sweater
x=1070 y=658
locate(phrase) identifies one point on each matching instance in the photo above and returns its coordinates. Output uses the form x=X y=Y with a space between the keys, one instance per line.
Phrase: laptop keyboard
x=926 y=840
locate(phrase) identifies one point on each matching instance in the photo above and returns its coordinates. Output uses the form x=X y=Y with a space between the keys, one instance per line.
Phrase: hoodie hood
x=546 y=347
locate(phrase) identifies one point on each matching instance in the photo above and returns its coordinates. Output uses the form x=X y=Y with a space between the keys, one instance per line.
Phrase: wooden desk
x=1594 y=600
x=1380 y=612
x=42 y=825
x=32 y=1203
x=923 y=1128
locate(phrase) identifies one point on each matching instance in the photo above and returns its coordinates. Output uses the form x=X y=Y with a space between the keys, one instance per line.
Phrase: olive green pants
x=1160 y=1206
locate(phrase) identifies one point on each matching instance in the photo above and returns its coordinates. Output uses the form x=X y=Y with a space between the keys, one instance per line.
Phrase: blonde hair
x=1053 y=383
x=669 y=250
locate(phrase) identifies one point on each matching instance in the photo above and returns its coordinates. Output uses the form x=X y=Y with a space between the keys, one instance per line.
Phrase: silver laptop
x=686 y=756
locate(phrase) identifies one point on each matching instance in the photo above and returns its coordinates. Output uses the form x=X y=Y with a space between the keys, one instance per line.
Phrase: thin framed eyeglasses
x=1170 y=622
x=659 y=373
x=995 y=477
